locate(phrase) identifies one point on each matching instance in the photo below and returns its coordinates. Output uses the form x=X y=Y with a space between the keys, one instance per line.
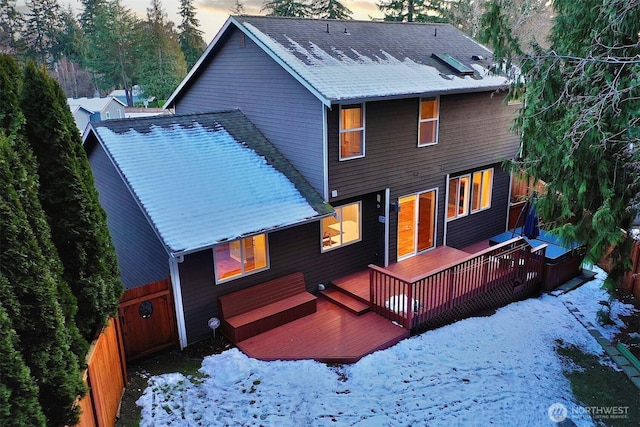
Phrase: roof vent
x=453 y=63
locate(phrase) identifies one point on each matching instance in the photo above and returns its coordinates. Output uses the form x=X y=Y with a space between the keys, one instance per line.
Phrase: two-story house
x=400 y=127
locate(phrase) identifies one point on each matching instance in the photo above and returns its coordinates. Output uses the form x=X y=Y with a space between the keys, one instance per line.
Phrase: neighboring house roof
x=341 y=60
x=207 y=178
x=132 y=112
x=95 y=105
x=121 y=94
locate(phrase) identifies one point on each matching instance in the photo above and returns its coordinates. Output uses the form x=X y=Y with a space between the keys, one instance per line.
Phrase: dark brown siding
x=482 y=225
x=474 y=134
x=290 y=250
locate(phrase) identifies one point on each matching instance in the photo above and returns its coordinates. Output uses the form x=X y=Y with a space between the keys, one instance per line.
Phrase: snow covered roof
x=93 y=105
x=202 y=179
x=341 y=60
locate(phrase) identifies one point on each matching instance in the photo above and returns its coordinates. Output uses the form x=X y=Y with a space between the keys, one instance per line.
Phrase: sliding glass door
x=416 y=223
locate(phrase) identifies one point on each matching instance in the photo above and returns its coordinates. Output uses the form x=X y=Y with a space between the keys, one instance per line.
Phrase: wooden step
x=345 y=301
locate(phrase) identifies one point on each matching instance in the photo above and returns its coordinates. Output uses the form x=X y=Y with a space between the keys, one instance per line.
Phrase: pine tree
x=413 y=10
x=162 y=64
x=580 y=124
x=11 y=22
x=37 y=317
x=19 y=404
x=111 y=51
x=190 y=36
x=70 y=200
x=293 y=8
x=42 y=28
x=331 y=9
x=237 y=8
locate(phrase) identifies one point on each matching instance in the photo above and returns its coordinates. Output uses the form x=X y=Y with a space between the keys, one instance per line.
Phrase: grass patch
x=609 y=395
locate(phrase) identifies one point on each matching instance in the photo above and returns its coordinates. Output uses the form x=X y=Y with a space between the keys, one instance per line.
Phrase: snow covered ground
x=499 y=370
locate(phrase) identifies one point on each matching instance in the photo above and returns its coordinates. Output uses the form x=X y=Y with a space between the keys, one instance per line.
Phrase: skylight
x=453 y=63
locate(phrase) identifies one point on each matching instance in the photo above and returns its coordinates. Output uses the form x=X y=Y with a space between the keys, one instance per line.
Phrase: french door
x=416 y=223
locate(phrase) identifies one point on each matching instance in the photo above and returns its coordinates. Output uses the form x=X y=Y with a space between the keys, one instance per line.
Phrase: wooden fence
x=105 y=377
x=148 y=319
x=513 y=265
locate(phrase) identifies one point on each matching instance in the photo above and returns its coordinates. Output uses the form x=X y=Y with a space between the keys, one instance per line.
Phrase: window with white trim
x=351 y=131
x=428 y=121
x=469 y=193
x=342 y=228
x=481 y=188
x=241 y=257
x=458 y=203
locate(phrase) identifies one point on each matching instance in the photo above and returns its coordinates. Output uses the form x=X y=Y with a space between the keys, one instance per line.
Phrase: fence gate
x=148 y=319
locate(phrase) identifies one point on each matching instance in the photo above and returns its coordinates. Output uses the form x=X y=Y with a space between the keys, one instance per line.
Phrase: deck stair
x=345 y=300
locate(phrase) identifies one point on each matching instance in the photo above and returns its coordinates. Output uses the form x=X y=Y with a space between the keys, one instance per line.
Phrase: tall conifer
x=37 y=317
x=19 y=404
x=70 y=201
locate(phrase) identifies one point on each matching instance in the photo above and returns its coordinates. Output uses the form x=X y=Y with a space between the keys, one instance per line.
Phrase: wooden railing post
x=409 y=308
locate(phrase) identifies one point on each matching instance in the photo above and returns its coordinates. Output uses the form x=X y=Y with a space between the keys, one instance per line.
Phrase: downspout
x=177 y=298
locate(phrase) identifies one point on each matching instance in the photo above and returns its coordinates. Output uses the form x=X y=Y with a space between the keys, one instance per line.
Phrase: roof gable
x=94 y=105
x=341 y=60
x=202 y=179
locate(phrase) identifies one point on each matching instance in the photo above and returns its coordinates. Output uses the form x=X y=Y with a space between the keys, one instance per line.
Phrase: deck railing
x=412 y=302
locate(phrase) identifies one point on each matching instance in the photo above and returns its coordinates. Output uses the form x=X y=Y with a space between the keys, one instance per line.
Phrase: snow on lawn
x=497 y=370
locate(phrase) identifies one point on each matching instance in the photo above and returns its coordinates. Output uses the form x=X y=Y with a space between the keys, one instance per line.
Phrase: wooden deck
x=331 y=335
x=335 y=334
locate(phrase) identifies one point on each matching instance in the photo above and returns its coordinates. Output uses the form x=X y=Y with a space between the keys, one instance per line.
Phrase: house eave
x=187 y=251
x=459 y=91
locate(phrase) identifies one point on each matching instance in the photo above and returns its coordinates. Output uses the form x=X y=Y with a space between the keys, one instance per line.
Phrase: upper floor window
x=481 y=190
x=107 y=114
x=428 y=126
x=351 y=131
x=343 y=227
x=241 y=257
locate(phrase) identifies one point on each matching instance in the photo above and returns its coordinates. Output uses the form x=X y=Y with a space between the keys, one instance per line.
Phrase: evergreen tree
x=237 y=8
x=37 y=317
x=70 y=200
x=331 y=9
x=580 y=124
x=496 y=30
x=42 y=28
x=162 y=64
x=112 y=50
x=91 y=9
x=26 y=172
x=19 y=404
x=298 y=9
x=190 y=36
x=413 y=10
x=11 y=22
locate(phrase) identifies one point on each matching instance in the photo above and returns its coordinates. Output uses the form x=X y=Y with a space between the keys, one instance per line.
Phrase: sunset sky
x=213 y=13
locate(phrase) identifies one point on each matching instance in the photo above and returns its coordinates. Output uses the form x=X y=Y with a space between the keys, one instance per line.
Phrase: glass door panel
x=406 y=226
x=426 y=220
x=416 y=223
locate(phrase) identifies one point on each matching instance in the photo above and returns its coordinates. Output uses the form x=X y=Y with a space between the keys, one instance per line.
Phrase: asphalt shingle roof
x=341 y=60
x=207 y=178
